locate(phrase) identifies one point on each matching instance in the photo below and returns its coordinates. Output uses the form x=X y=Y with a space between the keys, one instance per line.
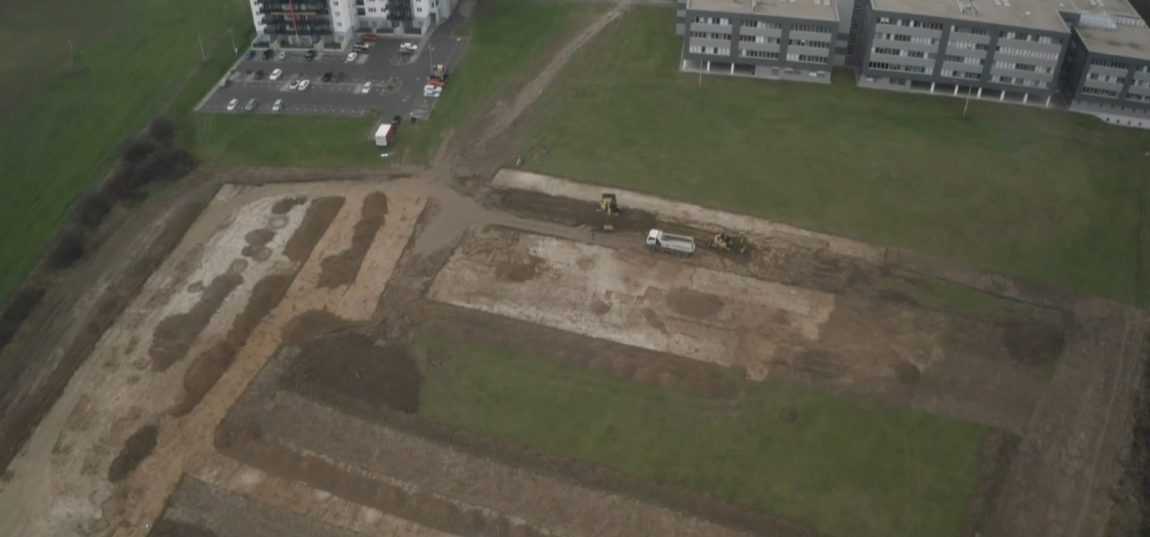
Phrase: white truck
x=385 y=135
x=669 y=242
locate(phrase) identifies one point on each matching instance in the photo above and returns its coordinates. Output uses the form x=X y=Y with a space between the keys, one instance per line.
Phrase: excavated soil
x=285 y=205
x=316 y=220
x=351 y=369
x=342 y=268
x=207 y=368
x=176 y=333
x=257 y=240
x=172 y=528
x=519 y=270
x=694 y=303
x=570 y=212
x=315 y=323
x=1033 y=342
x=138 y=447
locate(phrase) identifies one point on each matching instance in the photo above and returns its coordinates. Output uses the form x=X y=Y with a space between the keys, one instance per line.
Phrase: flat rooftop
x=1110 y=27
x=1029 y=14
x=820 y=10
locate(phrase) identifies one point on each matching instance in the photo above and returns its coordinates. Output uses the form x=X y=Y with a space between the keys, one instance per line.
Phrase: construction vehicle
x=734 y=244
x=610 y=208
x=671 y=243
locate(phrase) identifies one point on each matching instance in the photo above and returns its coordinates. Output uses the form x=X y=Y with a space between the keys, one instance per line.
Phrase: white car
x=281 y=55
x=433 y=91
x=365 y=88
x=276 y=74
x=293 y=85
x=351 y=56
x=278 y=105
x=232 y=104
x=408 y=47
x=303 y=84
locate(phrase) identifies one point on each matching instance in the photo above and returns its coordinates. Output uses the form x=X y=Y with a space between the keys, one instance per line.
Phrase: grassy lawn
x=848 y=468
x=63 y=121
x=508 y=40
x=1049 y=196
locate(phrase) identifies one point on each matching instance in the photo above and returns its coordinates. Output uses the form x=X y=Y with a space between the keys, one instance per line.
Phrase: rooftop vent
x=968 y=8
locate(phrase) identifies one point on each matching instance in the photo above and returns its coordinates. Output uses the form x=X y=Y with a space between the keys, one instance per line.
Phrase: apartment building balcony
x=903 y=60
x=704 y=27
x=913 y=31
x=905 y=45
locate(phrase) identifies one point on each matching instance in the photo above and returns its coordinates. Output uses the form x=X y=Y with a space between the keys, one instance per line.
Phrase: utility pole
x=966 y=102
x=203 y=53
x=235 y=49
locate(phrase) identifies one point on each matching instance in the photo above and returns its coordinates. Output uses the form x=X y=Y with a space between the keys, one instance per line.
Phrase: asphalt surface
x=396 y=79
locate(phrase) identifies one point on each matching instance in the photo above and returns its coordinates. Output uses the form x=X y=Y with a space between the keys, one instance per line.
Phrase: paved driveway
x=396 y=79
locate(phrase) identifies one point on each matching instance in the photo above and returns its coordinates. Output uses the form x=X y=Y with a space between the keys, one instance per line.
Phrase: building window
x=808 y=43
x=761 y=54
x=1099 y=92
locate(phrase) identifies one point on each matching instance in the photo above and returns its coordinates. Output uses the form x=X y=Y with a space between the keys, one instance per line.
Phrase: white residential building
x=340 y=20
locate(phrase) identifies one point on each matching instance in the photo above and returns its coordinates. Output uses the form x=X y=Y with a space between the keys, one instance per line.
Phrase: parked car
x=293 y=85
x=251 y=54
x=281 y=55
x=232 y=104
x=259 y=74
x=251 y=105
x=351 y=56
x=327 y=77
x=303 y=84
x=278 y=105
x=433 y=91
x=268 y=53
x=311 y=54
x=276 y=74
x=408 y=47
x=365 y=88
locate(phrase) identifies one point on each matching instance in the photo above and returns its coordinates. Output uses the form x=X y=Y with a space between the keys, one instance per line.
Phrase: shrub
x=92 y=208
x=137 y=149
x=22 y=304
x=162 y=130
x=68 y=250
x=165 y=164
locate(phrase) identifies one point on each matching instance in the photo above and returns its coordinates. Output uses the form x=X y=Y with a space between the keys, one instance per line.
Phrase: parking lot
x=382 y=80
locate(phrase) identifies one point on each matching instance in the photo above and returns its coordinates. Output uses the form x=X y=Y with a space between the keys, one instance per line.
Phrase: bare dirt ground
x=282 y=272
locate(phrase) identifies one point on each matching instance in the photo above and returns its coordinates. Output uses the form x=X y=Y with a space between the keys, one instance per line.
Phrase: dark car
x=327 y=76
x=311 y=54
x=268 y=53
x=259 y=74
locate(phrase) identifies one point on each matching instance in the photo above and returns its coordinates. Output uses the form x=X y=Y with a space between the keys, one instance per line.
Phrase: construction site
x=298 y=366
x=472 y=349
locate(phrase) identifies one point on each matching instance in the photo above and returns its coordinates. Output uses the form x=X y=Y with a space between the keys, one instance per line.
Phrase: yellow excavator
x=609 y=206
x=734 y=244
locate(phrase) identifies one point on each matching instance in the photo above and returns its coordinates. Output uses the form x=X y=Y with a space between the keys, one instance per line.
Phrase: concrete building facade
x=776 y=39
x=308 y=22
x=1002 y=49
x=1108 y=62
x=1092 y=56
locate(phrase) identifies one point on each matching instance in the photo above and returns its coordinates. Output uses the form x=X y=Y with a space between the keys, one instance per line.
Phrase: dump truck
x=669 y=242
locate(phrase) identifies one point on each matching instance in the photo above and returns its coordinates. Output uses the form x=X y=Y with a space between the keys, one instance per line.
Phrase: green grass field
x=64 y=121
x=508 y=39
x=845 y=467
x=1050 y=196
